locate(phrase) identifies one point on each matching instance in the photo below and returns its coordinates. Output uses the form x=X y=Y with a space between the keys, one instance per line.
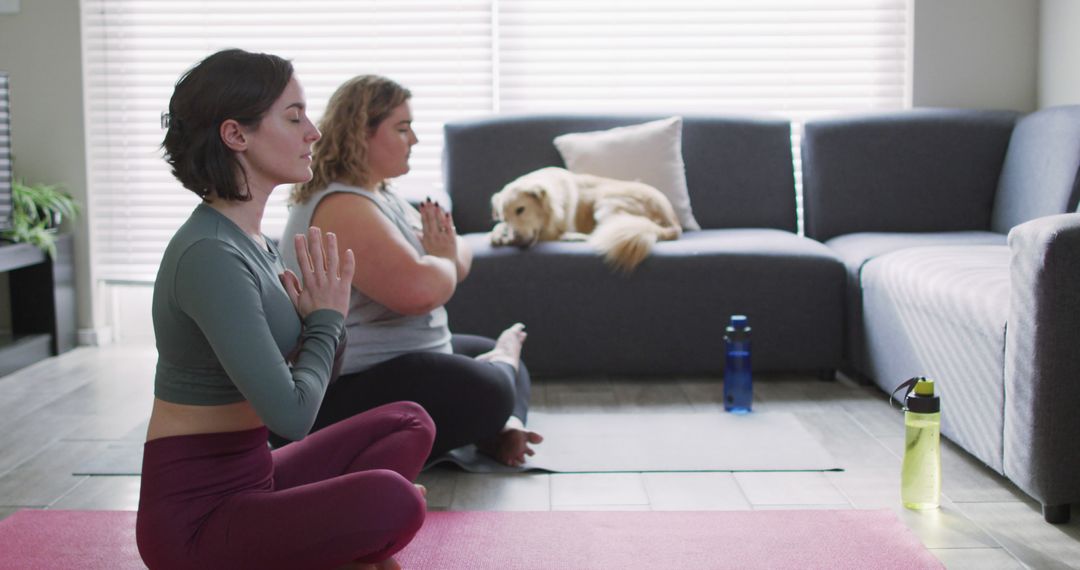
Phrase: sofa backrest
x=739 y=170
x=918 y=170
x=1041 y=175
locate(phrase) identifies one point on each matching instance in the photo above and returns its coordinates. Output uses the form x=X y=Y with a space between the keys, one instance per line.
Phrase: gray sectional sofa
x=938 y=243
x=962 y=248
x=668 y=316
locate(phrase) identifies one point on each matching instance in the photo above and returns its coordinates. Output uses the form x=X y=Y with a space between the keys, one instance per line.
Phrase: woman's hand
x=438 y=236
x=327 y=280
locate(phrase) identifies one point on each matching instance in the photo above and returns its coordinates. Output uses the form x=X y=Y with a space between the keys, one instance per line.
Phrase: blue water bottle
x=738 y=386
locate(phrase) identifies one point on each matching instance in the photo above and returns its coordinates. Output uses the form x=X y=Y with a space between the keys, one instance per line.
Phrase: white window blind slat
x=787 y=58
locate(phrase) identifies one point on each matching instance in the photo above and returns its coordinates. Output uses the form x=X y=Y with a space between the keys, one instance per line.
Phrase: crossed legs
x=341 y=495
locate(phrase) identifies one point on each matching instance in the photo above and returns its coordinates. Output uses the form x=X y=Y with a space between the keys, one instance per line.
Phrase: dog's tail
x=626 y=240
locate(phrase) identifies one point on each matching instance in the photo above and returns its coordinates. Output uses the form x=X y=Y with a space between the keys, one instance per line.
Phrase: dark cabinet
x=42 y=303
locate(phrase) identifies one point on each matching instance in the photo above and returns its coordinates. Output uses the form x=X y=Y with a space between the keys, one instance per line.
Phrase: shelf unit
x=42 y=303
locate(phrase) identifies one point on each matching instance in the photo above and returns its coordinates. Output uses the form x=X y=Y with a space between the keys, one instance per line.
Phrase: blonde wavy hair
x=352 y=115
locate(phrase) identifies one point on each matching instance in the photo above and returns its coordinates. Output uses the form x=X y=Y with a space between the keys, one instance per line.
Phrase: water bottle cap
x=924 y=387
x=921 y=399
x=738 y=321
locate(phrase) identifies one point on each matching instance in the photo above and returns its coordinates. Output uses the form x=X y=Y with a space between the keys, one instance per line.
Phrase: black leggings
x=469 y=400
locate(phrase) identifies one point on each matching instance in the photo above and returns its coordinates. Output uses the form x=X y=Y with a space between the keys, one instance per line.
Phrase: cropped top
x=375 y=332
x=226 y=329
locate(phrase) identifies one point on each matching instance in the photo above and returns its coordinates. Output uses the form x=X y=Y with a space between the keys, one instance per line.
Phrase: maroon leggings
x=343 y=494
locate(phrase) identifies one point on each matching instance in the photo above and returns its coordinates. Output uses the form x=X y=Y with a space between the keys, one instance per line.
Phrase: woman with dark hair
x=400 y=347
x=244 y=345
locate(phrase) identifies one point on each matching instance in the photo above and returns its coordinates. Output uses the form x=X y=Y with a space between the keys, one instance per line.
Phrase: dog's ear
x=497 y=206
x=547 y=205
x=537 y=191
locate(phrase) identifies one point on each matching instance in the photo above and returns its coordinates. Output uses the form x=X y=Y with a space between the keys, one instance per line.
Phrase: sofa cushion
x=921 y=170
x=738 y=169
x=668 y=316
x=856 y=249
x=1040 y=175
x=941 y=312
x=649 y=152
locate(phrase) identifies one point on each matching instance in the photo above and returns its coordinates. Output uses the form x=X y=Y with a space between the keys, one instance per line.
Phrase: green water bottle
x=920 y=477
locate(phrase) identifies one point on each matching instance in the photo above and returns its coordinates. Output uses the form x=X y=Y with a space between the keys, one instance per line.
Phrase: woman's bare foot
x=512 y=444
x=507 y=346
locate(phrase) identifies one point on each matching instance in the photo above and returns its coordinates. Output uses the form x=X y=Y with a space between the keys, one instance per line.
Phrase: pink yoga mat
x=712 y=539
x=97 y=540
x=31 y=540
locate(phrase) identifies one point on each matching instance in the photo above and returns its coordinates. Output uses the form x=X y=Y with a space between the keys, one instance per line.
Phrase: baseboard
x=101 y=336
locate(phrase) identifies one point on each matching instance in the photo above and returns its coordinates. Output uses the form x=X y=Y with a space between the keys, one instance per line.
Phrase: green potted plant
x=36 y=213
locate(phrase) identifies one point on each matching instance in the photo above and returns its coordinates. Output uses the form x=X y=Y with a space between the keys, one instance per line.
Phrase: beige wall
x=976 y=53
x=1059 y=53
x=40 y=47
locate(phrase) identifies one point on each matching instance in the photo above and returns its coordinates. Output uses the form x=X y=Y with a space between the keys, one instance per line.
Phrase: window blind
x=787 y=58
x=781 y=57
x=5 y=155
x=134 y=51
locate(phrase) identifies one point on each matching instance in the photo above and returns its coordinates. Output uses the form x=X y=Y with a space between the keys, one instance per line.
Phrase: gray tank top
x=375 y=332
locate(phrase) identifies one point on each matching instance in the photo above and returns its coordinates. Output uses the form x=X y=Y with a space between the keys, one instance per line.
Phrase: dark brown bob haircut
x=230 y=84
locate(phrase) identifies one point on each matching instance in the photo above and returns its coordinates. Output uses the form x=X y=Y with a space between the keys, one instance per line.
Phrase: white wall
x=976 y=53
x=1059 y=53
x=40 y=47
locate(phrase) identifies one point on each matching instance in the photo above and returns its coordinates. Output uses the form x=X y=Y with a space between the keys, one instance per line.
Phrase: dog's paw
x=502 y=234
x=574 y=236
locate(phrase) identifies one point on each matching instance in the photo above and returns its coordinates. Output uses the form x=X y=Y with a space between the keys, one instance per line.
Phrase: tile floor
x=57 y=413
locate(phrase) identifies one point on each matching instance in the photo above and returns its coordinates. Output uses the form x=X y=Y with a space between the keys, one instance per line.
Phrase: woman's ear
x=232 y=134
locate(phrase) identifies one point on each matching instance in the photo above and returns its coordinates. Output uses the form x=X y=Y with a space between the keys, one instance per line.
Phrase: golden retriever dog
x=621 y=220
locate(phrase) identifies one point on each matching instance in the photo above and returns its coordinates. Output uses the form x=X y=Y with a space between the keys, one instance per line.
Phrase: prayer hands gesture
x=438 y=236
x=327 y=280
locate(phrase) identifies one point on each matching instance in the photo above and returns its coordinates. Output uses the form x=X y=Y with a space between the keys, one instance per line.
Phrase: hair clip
x=166 y=119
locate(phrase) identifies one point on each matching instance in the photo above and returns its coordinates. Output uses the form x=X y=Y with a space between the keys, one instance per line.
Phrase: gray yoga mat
x=121 y=457
x=635 y=442
x=613 y=442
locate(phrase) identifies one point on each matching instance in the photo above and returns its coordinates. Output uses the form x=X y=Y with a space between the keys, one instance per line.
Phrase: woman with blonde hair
x=409 y=262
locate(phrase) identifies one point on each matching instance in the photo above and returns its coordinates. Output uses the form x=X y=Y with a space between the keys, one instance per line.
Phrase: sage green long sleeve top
x=225 y=328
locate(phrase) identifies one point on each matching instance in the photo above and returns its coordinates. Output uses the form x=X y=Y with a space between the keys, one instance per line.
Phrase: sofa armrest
x=1042 y=359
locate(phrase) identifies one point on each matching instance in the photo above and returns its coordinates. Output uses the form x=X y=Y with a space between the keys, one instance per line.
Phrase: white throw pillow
x=650 y=153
